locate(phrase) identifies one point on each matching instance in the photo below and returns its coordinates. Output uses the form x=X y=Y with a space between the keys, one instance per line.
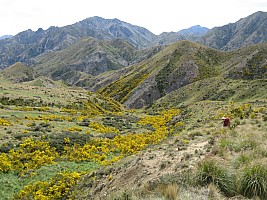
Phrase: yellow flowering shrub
x=70 y=111
x=4 y=122
x=56 y=188
x=161 y=120
x=25 y=131
x=103 y=129
x=121 y=145
x=75 y=129
x=43 y=109
x=5 y=163
x=67 y=140
x=31 y=154
x=24 y=108
x=50 y=118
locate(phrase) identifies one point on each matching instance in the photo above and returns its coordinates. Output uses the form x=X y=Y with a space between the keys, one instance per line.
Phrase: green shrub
x=6 y=147
x=59 y=140
x=253 y=182
x=209 y=171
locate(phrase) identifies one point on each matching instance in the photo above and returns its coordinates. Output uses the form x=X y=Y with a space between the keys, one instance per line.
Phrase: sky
x=156 y=15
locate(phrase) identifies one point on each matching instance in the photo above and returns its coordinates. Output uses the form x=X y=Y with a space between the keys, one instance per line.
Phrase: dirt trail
x=146 y=167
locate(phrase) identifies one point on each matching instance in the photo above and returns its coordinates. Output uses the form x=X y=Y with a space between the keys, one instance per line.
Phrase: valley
x=103 y=109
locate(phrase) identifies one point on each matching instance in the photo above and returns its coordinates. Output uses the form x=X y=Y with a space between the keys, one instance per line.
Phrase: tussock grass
x=253 y=182
x=211 y=172
x=169 y=191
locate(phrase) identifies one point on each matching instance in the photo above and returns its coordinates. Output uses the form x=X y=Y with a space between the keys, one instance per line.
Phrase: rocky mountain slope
x=247 y=31
x=89 y=57
x=5 y=36
x=25 y=46
x=196 y=30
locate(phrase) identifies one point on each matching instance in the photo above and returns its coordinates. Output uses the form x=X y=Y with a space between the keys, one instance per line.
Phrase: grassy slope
x=18 y=73
x=53 y=114
x=216 y=89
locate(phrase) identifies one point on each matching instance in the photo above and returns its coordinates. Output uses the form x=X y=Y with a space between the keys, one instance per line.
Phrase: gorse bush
x=253 y=182
x=56 y=188
x=209 y=171
x=30 y=154
x=4 y=122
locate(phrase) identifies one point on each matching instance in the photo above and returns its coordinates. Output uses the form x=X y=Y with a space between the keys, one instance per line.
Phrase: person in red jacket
x=226 y=121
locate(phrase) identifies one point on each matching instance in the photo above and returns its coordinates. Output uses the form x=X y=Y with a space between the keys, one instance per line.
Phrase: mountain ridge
x=27 y=45
x=246 y=31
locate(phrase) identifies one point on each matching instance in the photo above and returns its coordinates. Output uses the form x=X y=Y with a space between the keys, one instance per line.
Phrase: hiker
x=226 y=121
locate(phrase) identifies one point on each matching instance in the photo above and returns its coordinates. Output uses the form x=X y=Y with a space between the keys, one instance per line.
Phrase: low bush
x=59 y=140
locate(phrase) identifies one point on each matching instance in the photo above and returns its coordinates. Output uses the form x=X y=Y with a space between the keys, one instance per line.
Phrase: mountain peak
x=194 y=30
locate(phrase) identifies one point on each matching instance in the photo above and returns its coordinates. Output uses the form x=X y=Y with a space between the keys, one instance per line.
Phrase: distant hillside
x=25 y=46
x=175 y=66
x=18 y=73
x=247 y=31
x=215 y=89
x=90 y=56
x=42 y=81
x=166 y=38
x=181 y=64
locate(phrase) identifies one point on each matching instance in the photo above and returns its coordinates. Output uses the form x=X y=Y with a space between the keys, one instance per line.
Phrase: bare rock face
x=144 y=94
x=185 y=74
x=148 y=92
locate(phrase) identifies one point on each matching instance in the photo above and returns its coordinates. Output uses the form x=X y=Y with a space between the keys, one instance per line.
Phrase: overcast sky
x=156 y=15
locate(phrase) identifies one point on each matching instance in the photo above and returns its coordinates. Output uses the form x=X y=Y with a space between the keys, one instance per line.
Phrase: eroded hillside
x=186 y=63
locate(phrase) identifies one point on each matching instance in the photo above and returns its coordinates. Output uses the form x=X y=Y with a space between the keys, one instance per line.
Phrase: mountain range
x=131 y=64
x=27 y=45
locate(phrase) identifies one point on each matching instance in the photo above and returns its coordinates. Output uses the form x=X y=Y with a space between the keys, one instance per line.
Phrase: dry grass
x=170 y=191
